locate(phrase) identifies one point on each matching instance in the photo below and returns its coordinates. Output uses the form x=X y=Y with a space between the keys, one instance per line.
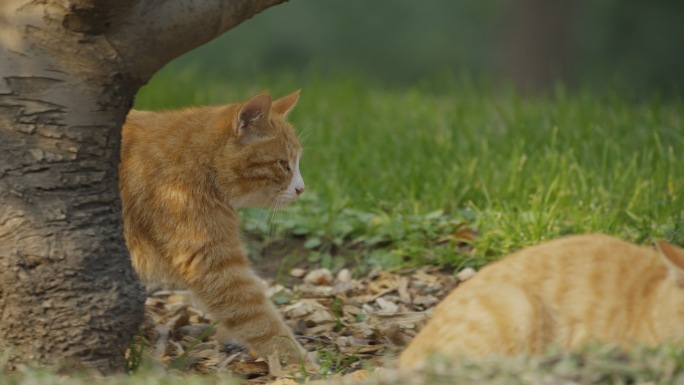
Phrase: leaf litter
x=351 y=325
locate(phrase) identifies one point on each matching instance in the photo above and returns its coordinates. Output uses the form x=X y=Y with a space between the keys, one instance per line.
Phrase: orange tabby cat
x=568 y=291
x=182 y=176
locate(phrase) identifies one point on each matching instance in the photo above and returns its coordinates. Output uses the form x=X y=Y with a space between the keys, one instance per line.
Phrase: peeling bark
x=69 y=70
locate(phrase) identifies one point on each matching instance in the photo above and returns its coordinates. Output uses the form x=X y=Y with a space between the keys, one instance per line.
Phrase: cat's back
x=140 y=118
x=575 y=263
x=144 y=127
x=165 y=142
x=593 y=277
x=142 y=150
x=569 y=291
x=165 y=158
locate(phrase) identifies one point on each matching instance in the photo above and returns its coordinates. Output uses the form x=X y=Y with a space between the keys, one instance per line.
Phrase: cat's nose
x=299 y=191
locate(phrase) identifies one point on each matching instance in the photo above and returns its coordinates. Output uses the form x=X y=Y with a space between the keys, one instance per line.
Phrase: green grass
x=406 y=165
x=598 y=364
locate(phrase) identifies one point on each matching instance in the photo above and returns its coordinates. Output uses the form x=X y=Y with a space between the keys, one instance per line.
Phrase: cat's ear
x=674 y=259
x=284 y=105
x=253 y=112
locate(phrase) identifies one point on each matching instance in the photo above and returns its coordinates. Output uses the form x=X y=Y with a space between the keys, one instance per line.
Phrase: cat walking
x=569 y=291
x=182 y=176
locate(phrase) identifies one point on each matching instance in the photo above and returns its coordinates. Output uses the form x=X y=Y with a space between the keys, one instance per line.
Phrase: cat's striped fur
x=568 y=291
x=183 y=174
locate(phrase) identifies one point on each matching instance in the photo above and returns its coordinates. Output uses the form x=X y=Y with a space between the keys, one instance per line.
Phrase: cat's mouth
x=285 y=198
x=270 y=199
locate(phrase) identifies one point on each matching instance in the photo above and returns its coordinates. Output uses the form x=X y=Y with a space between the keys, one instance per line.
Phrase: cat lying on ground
x=569 y=291
x=183 y=174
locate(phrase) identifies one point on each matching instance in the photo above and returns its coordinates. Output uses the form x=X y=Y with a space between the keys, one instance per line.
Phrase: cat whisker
x=282 y=221
x=292 y=215
x=302 y=207
x=271 y=223
x=310 y=127
x=273 y=218
x=279 y=214
x=304 y=149
x=275 y=197
x=275 y=192
x=268 y=229
x=302 y=141
x=289 y=229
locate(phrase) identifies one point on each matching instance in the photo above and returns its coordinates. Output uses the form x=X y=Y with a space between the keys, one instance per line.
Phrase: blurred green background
x=531 y=43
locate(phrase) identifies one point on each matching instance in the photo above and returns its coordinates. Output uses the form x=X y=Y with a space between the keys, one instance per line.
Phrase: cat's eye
x=285 y=164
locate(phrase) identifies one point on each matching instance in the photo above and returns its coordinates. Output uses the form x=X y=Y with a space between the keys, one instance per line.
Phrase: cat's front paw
x=286 y=359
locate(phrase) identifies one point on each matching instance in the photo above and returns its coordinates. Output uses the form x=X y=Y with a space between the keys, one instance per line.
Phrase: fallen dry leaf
x=386 y=305
x=310 y=310
x=421 y=275
x=466 y=274
x=344 y=276
x=359 y=375
x=425 y=301
x=319 y=277
x=465 y=233
x=254 y=368
x=284 y=381
x=379 y=314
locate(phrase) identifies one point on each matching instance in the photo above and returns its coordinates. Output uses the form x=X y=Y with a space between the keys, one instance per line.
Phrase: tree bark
x=537 y=43
x=69 y=70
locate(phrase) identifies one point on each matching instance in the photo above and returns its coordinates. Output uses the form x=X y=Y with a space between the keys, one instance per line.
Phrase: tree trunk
x=537 y=43
x=69 y=71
